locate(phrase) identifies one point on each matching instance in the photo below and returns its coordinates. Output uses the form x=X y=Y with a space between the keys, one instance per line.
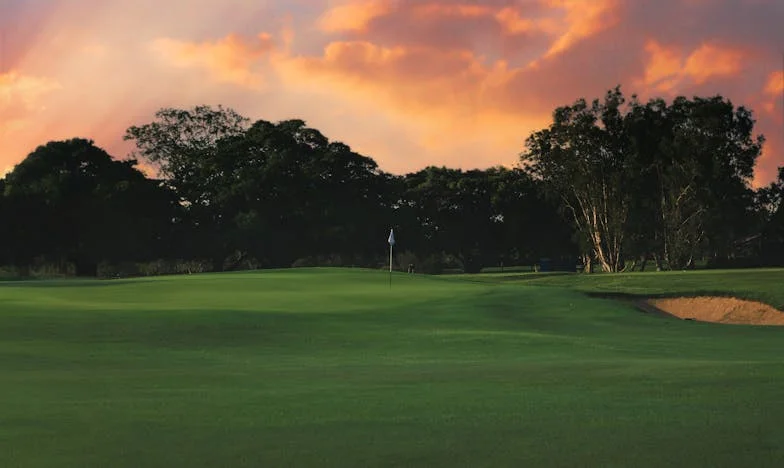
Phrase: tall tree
x=698 y=156
x=271 y=192
x=671 y=180
x=301 y=195
x=584 y=157
x=179 y=141
x=182 y=144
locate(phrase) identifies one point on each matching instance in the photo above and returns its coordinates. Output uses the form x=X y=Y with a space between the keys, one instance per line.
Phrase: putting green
x=335 y=368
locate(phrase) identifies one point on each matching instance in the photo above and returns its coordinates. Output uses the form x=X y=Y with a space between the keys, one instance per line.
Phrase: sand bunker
x=720 y=310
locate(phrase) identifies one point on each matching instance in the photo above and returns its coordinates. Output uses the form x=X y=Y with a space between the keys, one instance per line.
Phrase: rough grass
x=332 y=368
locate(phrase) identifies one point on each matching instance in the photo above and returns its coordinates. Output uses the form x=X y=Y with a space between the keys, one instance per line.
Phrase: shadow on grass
x=69 y=283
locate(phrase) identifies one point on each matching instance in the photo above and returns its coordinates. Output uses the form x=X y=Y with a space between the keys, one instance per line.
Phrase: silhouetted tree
x=672 y=181
x=481 y=217
x=71 y=202
x=271 y=192
x=584 y=157
x=696 y=160
x=772 y=235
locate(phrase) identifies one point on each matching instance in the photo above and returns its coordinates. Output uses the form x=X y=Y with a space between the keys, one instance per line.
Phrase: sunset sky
x=408 y=83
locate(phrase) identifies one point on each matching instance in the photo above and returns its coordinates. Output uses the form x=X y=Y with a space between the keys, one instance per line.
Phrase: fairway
x=332 y=367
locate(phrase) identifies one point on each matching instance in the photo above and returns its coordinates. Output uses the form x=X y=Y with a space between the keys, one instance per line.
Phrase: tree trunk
x=587 y=263
x=644 y=262
x=658 y=259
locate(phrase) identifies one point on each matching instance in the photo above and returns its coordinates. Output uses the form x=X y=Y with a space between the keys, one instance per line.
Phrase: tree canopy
x=614 y=181
x=669 y=181
x=71 y=202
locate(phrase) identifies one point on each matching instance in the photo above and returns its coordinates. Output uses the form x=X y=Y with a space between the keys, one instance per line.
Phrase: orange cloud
x=513 y=23
x=667 y=67
x=356 y=16
x=353 y=16
x=567 y=22
x=458 y=105
x=419 y=78
x=231 y=60
x=460 y=10
x=775 y=84
x=770 y=160
x=663 y=66
x=583 y=19
x=709 y=61
x=23 y=102
x=21 y=96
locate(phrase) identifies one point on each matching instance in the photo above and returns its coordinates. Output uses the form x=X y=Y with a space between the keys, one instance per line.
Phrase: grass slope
x=766 y=285
x=332 y=368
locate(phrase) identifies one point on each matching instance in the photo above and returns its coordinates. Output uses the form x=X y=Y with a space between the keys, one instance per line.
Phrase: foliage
x=72 y=203
x=771 y=200
x=584 y=157
x=667 y=181
x=614 y=181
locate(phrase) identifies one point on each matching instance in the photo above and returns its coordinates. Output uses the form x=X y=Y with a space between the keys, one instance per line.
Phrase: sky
x=409 y=83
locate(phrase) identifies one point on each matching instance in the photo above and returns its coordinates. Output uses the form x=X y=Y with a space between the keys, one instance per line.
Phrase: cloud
x=408 y=82
x=21 y=97
x=663 y=68
x=553 y=26
x=421 y=81
x=583 y=19
x=775 y=84
x=513 y=22
x=23 y=103
x=454 y=104
x=232 y=59
x=668 y=67
x=357 y=17
x=352 y=16
x=711 y=60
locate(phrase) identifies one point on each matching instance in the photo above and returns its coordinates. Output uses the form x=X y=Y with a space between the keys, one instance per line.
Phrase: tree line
x=611 y=183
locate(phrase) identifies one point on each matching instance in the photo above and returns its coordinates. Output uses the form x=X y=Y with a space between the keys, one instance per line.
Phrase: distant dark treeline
x=604 y=183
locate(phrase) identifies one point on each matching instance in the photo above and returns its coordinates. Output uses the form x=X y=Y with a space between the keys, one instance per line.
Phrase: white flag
x=391 y=239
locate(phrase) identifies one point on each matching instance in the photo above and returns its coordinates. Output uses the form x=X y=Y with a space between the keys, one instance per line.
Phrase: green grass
x=334 y=368
x=766 y=285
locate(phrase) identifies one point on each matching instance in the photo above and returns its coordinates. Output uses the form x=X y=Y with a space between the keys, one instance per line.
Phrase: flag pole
x=391 y=242
x=390 y=265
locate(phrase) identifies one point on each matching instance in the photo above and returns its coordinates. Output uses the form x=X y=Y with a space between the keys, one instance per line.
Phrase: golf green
x=332 y=367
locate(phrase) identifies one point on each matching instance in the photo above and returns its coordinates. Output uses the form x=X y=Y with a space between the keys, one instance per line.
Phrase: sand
x=720 y=310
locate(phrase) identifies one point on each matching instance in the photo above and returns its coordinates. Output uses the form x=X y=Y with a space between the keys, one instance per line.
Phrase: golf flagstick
x=391 y=241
